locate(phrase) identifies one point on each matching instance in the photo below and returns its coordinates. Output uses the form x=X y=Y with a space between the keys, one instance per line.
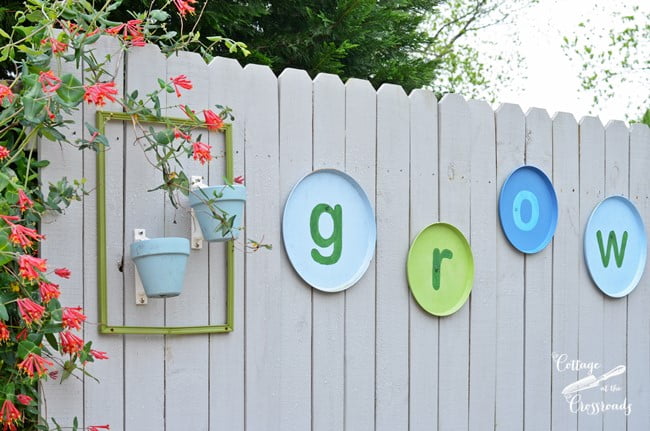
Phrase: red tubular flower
x=4 y=332
x=98 y=355
x=23 y=236
x=30 y=311
x=56 y=45
x=73 y=317
x=49 y=81
x=96 y=93
x=201 y=152
x=9 y=416
x=34 y=364
x=22 y=335
x=178 y=133
x=30 y=265
x=6 y=92
x=239 y=180
x=48 y=291
x=212 y=121
x=98 y=427
x=4 y=152
x=24 y=399
x=183 y=6
x=63 y=272
x=24 y=202
x=182 y=82
x=70 y=343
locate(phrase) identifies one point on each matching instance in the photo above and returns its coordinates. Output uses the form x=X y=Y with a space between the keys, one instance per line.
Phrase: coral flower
x=212 y=121
x=29 y=265
x=48 y=291
x=22 y=335
x=70 y=343
x=4 y=152
x=6 y=92
x=131 y=31
x=178 y=133
x=96 y=93
x=34 y=364
x=24 y=202
x=23 y=236
x=30 y=311
x=183 y=6
x=73 y=317
x=9 y=416
x=62 y=272
x=49 y=81
x=98 y=427
x=201 y=152
x=4 y=332
x=182 y=82
x=24 y=399
x=98 y=355
x=239 y=180
x=56 y=45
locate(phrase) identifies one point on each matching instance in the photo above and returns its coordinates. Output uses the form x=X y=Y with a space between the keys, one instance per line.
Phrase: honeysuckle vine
x=39 y=338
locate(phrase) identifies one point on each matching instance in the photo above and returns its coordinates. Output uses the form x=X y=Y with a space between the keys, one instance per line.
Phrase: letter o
x=525 y=195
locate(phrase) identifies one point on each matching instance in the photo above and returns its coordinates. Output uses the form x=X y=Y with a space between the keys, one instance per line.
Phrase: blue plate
x=528 y=209
x=615 y=246
x=329 y=230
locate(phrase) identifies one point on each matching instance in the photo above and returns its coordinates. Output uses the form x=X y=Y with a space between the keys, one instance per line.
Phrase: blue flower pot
x=161 y=264
x=225 y=200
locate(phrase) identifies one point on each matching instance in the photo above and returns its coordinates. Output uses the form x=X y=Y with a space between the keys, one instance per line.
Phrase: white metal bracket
x=196 y=182
x=140 y=297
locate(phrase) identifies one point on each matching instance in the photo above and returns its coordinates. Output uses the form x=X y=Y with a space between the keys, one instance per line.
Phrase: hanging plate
x=615 y=246
x=440 y=269
x=528 y=209
x=329 y=230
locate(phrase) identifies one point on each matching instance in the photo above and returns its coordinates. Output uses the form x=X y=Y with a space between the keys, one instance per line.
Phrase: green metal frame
x=102 y=118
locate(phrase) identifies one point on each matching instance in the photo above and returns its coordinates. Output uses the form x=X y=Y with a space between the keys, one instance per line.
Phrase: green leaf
x=26 y=347
x=159 y=15
x=4 y=34
x=71 y=90
x=33 y=110
x=3 y=313
x=52 y=340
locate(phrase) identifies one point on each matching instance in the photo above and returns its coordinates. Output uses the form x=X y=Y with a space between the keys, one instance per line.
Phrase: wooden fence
x=368 y=358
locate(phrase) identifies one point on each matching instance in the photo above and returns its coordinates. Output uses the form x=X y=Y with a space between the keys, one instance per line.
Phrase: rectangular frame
x=102 y=118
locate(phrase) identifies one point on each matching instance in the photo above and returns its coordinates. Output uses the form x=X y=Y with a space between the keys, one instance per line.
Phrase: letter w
x=612 y=243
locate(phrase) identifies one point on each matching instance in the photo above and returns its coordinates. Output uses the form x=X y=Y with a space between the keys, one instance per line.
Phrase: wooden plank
x=483 y=300
x=328 y=312
x=423 y=327
x=144 y=356
x=592 y=190
x=263 y=278
x=227 y=350
x=567 y=244
x=110 y=372
x=454 y=207
x=392 y=295
x=510 y=137
x=638 y=318
x=539 y=283
x=64 y=239
x=186 y=404
x=617 y=152
x=360 y=160
x=295 y=87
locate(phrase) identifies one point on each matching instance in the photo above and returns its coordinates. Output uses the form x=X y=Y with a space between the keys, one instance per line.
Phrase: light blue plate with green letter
x=615 y=246
x=329 y=230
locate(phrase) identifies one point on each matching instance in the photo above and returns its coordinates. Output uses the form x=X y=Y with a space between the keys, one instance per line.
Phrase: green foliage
x=412 y=43
x=614 y=57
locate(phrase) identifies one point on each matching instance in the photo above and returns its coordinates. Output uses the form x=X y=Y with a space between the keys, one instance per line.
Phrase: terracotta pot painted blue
x=230 y=201
x=161 y=264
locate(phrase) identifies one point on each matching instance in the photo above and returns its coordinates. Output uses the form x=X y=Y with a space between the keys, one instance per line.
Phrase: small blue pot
x=161 y=264
x=231 y=201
